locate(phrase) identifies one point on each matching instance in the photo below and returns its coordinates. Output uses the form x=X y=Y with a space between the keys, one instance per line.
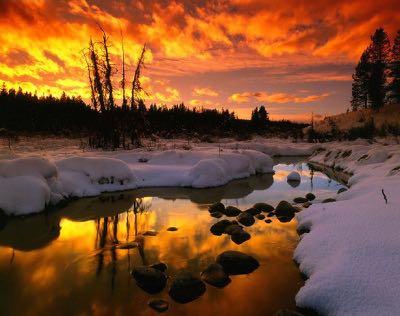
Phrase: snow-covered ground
x=351 y=253
x=28 y=184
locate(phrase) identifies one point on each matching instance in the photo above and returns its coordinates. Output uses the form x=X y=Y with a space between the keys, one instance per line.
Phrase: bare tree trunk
x=92 y=93
x=136 y=85
x=108 y=71
x=98 y=87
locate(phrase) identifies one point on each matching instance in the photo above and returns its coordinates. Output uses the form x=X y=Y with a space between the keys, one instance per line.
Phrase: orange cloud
x=279 y=97
x=200 y=92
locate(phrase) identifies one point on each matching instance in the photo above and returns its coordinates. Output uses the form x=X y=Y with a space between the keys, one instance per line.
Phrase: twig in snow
x=384 y=196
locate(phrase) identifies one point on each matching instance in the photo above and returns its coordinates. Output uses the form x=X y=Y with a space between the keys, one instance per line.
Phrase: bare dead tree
x=123 y=80
x=136 y=84
x=97 y=85
x=107 y=70
x=92 y=92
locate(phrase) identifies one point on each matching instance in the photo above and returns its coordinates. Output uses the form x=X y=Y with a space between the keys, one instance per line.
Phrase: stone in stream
x=172 y=229
x=216 y=214
x=159 y=305
x=245 y=219
x=300 y=200
x=270 y=214
x=219 y=227
x=260 y=216
x=150 y=233
x=233 y=229
x=263 y=207
x=217 y=207
x=240 y=237
x=232 y=211
x=307 y=204
x=328 y=200
x=186 y=287
x=161 y=266
x=236 y=262
x=252 y=211
x=285 y=219
x=284 y=208
x=149 y=279
x=294 y=176
x=310 y=196
x=341 y=190
x=268 y=221
x=215 y=275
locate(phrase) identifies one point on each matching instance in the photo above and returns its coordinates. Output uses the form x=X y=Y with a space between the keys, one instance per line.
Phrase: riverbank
x=351 y=253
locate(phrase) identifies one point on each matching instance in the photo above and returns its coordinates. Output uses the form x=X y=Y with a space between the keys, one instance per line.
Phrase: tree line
x=376 y=80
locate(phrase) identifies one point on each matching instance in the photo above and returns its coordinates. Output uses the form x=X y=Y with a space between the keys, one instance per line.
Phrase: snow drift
x=27 y=185
x=351 y=253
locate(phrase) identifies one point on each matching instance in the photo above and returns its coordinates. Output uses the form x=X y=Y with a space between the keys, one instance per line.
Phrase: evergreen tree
x=254 y=117
x=361 y=77
x=263 y=116
x=379 y=54
x=394 y=87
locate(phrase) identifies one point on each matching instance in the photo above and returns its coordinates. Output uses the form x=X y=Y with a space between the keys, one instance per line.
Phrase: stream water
x=66 y=262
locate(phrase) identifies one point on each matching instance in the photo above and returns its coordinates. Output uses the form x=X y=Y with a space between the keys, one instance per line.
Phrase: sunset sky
x=294 y=56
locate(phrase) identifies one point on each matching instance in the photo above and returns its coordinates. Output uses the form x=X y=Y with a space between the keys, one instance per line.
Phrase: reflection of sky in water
x=64 y=262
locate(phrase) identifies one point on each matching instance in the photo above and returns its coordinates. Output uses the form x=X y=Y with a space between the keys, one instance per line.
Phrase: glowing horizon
x=293 y=57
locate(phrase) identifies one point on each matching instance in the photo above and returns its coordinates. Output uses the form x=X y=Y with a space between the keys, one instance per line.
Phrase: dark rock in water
x=284 y=208
x=268 y=221
x=287 y=312
x=215 y=275
x=252 y=211
x=260 y=216
x=159 y=305
x=236 y=262
x=341 y=190
x=246 y=219
x=219 y=227
x=216 y=214
x=233 y=228
x=293 y=184
x=329 y=200
x=186 y=288
x=285 y=219
x=172 y=229
x=263 y=207
x=217 y=207
x=150 y=233
x=303 y=231
x=307 y=204
x=271 y=214
x=149 y=279
x=232 y=211
x=300 y=200
x=240 y=237
x=161 y=266
x=310 y=196
x=297 y=208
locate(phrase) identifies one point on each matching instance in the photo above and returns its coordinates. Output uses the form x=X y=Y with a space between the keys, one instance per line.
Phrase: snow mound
x=34 y=166
x=294 y=176
x=79 y=176
x=23 y=194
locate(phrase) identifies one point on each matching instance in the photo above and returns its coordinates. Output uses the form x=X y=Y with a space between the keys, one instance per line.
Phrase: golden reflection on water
x=66 y=262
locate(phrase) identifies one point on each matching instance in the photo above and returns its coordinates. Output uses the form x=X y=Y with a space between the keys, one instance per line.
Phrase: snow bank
x=49 y=182
x=351 y=253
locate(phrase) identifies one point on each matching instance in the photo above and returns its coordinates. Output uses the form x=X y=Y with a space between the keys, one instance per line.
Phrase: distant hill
x=384 y=118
